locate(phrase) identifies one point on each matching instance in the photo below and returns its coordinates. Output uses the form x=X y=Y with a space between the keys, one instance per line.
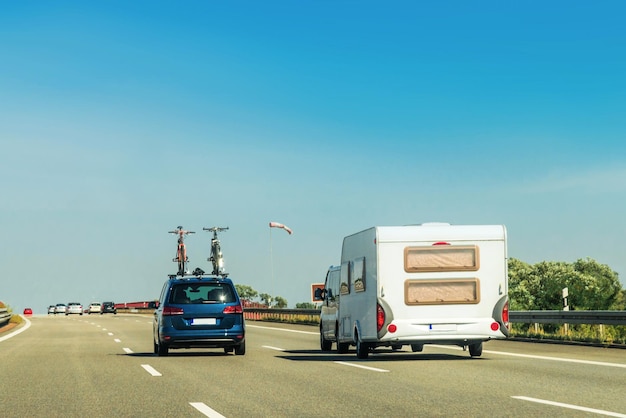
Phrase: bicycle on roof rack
x=216 y=257
x=181 y=251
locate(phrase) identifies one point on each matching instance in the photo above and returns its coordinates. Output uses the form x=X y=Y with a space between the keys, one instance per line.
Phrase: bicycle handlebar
x=216 y=229
x=181 y=231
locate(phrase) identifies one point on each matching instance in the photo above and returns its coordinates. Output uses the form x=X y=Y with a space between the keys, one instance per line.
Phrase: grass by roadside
x=13 y=322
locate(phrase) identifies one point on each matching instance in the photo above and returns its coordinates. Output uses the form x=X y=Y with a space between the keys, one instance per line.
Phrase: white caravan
x=433 y=283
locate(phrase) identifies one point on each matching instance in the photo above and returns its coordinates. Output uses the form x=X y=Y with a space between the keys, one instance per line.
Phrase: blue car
x=199 y=312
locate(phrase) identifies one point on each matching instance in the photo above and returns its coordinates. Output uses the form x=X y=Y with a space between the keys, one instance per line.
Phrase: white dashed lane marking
x=151 y=370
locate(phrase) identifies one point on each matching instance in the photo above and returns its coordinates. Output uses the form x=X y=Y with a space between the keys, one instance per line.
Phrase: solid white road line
x=273 y=348
x=200 y=406
x=18 y=331
x=283 y=329
x=568 y=406
x=567 y=360
x=374 y=369
x=151 y=370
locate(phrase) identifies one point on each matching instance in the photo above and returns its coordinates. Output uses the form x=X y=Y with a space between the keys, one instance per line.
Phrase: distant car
x=60 y=308
x=28 y=311
x=74 y=308
x=108 y=307
x=199 y=312
x=51 y=309
x=94 y=307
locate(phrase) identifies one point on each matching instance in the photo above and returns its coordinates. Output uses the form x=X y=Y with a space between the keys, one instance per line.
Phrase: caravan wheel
x=416 y=348
x=476 y=350
x=362 y=349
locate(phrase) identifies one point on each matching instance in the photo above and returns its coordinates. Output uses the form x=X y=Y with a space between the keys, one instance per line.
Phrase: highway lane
x=103 y=366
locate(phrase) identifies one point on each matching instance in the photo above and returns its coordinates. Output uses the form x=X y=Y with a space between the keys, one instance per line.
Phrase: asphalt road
x=103 y=366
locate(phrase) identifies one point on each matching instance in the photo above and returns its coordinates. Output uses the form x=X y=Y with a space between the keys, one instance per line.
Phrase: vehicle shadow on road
x=181 y=354
x=377 y=355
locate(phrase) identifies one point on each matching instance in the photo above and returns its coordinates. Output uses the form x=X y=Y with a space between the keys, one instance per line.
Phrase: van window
x=359 y=275
x=441 y=258
x=346 y=272
x=333 y=284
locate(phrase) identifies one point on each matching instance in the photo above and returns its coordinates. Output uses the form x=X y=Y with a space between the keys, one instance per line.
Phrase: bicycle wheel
x=213 y=259
x=219 y=262
x=181 y=262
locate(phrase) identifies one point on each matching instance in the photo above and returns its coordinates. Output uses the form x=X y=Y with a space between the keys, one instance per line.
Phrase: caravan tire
x=362 y=349
x=476 y=350
x=416 y=348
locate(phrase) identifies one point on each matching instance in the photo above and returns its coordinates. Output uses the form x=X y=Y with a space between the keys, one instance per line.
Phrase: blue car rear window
x=195 y=293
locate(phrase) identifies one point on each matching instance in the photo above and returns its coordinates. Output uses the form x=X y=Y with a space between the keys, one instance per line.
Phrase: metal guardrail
x=303 y=316
x=5 y=316
x=522 y=317
x=311 y=316
x=569 y=317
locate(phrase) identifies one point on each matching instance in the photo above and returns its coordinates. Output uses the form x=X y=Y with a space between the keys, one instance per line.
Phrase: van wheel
x=362 y=349
x=476 y=350
x=417 y=348
x=325 y=344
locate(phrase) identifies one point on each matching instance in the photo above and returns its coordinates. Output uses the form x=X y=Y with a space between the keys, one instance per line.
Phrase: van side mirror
x=318 y=294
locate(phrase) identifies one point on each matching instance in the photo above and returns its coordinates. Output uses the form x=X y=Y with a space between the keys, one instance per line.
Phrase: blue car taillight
x=233 y=309
x=170 y=310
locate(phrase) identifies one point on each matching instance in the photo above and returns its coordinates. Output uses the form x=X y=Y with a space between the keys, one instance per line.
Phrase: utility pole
x=565 y=307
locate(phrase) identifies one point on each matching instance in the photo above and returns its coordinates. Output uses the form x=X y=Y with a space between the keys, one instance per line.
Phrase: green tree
x=280 y=302
x=246 y=292
x=266 y=298
x=591 y=286
x=305 y=305
x=596 y=286
x=522 y=286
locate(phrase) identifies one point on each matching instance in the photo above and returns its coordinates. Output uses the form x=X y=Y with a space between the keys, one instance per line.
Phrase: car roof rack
x=198 y=273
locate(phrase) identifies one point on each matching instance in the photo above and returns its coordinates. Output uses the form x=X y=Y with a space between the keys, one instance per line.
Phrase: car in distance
x=74 y=308
x=51 y=309
x=28 y=311
x=94 y=307
x=60 y=308
x=108 y=307
x=199 y=312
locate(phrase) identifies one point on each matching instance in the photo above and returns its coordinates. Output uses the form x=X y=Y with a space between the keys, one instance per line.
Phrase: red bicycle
x=181 y=251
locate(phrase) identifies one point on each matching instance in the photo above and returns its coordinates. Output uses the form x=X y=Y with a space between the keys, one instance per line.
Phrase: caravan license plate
x=203 y=321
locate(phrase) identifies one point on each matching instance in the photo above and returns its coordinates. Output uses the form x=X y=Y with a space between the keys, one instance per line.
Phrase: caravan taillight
x=505 y=314
x=380 y=317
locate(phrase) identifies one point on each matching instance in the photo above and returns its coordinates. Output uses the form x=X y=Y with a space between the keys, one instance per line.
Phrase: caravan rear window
x=441 y=258
x=441 y=292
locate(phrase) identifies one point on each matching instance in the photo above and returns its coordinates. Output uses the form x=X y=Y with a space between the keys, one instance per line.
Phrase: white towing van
x=433 y=283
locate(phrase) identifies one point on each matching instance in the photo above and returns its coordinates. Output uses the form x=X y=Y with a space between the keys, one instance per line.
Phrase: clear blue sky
x=121 y=120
